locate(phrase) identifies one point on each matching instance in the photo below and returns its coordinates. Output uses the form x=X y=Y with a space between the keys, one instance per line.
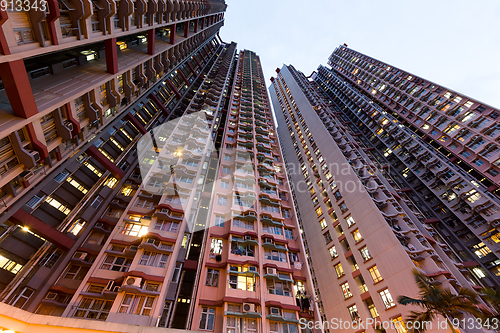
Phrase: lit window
x=399 y=325
x=350 y=221
x=76 y=227
x=365 y=253
x=346 y=290
x=387 y=298
x=356 y=235
x=333 y=252
x=339 y=270
x=319 y=212
x=216 y=246
x=375 y=274
x=323 y=223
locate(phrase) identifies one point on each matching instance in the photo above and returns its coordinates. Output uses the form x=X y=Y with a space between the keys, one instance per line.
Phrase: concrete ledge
x=18 y=320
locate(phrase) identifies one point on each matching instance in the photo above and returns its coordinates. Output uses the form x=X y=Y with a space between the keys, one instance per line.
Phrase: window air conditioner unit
x=69 y=125
x=274 y=311
x=133 y=247
x=268 y=240
x=248 y=307
x=248 y=237
x=251 y=213
x=35 y=155
x=252 y=269
x=26 y=175
x=132 y=282
x=271 y=270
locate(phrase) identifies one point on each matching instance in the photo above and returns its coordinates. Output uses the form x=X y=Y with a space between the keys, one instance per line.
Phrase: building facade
x=377 y=197
x=142 y=178
x=73 y=109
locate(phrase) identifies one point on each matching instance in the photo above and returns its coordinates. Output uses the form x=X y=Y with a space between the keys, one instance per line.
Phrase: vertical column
x=70 y=113
x=111 y=56
x=196 y=25
x=18 y=88
x=4 y=46
x=105 y=162
x=202 y=23
x=53 y=15
x=186 y=29
x=151 y=41
x=172 y=33
x=40 y=147
x=183 y=76
x=174 y=89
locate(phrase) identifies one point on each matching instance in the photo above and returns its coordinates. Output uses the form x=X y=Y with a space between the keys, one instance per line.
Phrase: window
x=275 y=255
x=212 y=278
x=333 y=252
x=166 y=225
x=286 y=213
x=227 y=157
x=243 y=224
x=278 y=288
x=222 y=201
x=226 y=170
x=356 y=235
x=143 y=203
x=289 y=234
x=241 y=282
x=76 y=227
x=399 y=325
x=136 y=304
x=224 y=184
x=216 y=246
x=58 y=205
x=343 y=208
x=177 y=273
x=346 y=290
x=375 y=274
x=134 y=229
x=478 y=163
x=276 y=327
x=319 y=212
x=235 y=324
x=465 y=153
x=353 y=311
x=365 y=253
x=350 y=221
x=339 y=270
x=219 y=220
x=387 y=298
x=92 y=308
x=323 y=224
x=76 y=184
x=75 y=272
x=481 y=250
x=154 y=259
x=207 y=319
x=337 y=195
x=328 y=237
x=115 y=263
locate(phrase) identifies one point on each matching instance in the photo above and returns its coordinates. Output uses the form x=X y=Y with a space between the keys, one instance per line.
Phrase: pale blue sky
x=455 y=43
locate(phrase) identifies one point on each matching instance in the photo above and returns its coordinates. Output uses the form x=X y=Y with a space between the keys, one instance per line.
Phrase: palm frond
x=420 y=320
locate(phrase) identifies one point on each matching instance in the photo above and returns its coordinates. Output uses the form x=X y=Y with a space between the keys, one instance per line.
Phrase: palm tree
x=439 y=302
x=493 y=298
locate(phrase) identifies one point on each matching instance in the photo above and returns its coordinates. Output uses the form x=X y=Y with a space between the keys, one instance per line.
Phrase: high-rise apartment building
x=142 y=178
x=390 y=173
